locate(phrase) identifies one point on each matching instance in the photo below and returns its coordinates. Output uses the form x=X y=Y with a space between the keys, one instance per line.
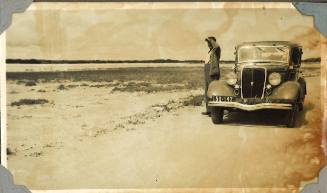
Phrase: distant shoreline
x=43 y=61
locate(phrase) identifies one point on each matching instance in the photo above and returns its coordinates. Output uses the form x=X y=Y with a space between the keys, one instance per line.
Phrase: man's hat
x=210 y=37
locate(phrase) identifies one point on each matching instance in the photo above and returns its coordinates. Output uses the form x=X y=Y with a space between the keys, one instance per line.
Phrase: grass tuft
x=62 y=87
x=30 y=83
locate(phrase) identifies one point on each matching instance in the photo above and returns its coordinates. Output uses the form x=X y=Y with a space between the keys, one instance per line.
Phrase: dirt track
x=93 y=139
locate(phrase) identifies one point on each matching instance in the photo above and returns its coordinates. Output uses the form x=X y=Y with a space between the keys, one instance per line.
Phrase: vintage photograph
x=116 y=95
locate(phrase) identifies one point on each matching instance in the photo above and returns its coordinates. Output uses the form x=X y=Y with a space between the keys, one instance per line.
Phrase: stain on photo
x=107 y=97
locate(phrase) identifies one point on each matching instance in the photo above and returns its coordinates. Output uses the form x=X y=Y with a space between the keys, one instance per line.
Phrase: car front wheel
x=291 y=116
x=217 y=115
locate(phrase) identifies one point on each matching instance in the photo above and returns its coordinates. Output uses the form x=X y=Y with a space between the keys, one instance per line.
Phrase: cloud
x=320 y=186
x=151 y=34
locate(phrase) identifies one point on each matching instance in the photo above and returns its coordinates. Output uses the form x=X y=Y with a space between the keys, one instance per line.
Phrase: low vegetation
x=62 y=87
x=29 y=102
x=194 y=100
x=30 y=83
x=147 y=87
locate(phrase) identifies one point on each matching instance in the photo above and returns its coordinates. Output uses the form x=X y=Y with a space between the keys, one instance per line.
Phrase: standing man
x=211 y=67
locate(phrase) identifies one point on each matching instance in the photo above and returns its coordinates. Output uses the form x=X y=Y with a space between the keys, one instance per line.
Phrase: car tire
x=217 y=114
x=291 y=116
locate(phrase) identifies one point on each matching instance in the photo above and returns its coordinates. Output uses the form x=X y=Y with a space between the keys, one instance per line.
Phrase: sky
x=143 y=34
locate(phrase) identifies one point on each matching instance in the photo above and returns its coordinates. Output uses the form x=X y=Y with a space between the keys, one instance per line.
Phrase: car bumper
x=251 y=107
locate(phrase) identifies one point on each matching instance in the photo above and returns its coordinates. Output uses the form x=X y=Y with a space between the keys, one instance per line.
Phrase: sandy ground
x=89 y=137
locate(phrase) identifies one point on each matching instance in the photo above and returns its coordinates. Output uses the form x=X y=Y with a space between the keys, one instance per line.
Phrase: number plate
x=223 y=99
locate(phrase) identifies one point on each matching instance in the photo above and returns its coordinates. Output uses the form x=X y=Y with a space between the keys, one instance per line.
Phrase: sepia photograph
x=174 y=95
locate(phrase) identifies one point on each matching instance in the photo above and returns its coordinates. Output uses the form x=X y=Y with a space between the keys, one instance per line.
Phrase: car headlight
x=231 y=78
x=275 y=78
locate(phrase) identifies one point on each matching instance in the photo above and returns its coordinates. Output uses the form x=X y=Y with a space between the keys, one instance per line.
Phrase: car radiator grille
x=253 y=82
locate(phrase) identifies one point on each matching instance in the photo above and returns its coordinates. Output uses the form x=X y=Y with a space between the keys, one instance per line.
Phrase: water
x=81 y=67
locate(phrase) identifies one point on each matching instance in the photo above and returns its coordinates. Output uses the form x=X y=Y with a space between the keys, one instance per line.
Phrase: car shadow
x=265 y=117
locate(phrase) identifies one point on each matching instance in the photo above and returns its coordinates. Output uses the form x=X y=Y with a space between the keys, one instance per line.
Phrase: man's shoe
x=206 y=113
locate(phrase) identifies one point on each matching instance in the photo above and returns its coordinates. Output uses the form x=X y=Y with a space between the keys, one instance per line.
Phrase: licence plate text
x=222 y=99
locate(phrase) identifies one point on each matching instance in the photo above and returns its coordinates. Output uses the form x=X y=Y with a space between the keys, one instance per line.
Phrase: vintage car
x=266 y=75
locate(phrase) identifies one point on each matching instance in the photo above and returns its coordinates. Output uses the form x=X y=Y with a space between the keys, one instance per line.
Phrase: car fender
x=219 y=88
x=287 y=90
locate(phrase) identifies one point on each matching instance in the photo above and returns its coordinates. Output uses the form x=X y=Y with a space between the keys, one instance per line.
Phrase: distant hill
x=312 y=60
x=42 y=61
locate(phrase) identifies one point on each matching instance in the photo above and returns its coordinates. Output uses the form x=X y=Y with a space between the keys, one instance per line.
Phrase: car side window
x=296 y=56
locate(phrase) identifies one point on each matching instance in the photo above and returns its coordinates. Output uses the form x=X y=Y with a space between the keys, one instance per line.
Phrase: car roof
x=269 y=43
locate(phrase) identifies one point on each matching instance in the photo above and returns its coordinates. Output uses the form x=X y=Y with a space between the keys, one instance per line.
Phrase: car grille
x=253 y=82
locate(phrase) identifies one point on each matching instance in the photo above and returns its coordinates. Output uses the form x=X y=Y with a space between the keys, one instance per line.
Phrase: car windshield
x=263 y=54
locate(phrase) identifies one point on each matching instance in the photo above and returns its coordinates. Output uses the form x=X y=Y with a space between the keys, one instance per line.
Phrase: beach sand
x=128 y=133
